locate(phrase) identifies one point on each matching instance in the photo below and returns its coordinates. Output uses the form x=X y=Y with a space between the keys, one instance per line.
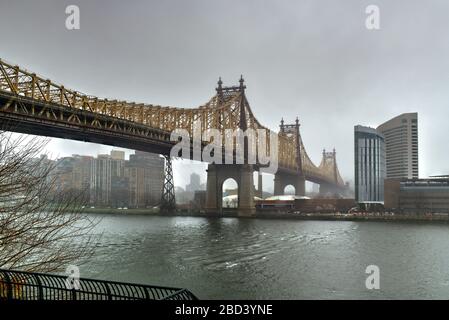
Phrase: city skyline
x=186 y=178
x=377 y=84
x=110 y=180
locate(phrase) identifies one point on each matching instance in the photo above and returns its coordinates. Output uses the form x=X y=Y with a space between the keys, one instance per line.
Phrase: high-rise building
x=119 y=183
x=119 y=192
x=81 y=174
x=145 y=172
x=101 y=180
x=401 y=144
x=64 y=172
x=369 y=154
x=195 y=183
x=117 y=164
x=118 y=155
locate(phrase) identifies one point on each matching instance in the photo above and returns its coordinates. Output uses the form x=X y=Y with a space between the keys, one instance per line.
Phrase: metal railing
x=21 y=285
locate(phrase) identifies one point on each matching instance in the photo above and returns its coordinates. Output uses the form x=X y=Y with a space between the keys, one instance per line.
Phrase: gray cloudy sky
x=309 y=58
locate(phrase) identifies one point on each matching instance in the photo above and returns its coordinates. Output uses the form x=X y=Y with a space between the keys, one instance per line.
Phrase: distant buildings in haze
x=185 y=196
x=112 y=181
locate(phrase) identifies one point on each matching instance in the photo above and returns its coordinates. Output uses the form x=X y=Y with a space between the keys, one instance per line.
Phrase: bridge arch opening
x=289 y=190
x=230 y=191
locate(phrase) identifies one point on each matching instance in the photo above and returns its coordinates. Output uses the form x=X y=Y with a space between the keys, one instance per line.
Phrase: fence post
x=40 y=291
x=108 y=290
x=8 y=286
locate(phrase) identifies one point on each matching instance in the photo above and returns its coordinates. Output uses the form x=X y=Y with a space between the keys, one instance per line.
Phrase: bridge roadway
x=29 y=116
x=25 y=115
x=145 y=138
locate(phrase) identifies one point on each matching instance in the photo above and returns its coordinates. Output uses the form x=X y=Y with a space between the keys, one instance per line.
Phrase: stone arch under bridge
x=243 y=175
x=282 y=180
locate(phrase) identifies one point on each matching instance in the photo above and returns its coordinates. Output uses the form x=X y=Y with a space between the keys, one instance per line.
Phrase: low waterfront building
x=304 y=204
x=324 y=205
x=232 y=201
x=417 y=196
x=278 y=203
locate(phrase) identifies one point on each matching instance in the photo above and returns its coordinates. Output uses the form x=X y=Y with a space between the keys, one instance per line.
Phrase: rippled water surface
x=229 y=258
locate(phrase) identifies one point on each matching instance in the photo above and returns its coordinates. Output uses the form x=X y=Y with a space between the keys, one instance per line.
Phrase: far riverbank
x=384 y=217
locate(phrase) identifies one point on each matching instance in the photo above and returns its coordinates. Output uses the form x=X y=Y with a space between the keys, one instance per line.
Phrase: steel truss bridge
x=34 y=105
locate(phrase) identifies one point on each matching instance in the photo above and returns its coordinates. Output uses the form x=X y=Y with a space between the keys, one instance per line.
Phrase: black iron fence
x=20 y=285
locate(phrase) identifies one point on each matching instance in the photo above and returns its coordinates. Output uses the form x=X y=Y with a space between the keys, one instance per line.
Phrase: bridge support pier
x=281 y=180
x=243 y=175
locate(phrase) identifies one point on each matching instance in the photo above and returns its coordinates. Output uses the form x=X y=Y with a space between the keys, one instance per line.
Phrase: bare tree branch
x=41 y=227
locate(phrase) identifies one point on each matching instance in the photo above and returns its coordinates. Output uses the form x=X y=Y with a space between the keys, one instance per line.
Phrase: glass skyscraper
x=369 y=152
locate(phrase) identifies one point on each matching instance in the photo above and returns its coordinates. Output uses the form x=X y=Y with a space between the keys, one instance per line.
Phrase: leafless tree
x=41 y=227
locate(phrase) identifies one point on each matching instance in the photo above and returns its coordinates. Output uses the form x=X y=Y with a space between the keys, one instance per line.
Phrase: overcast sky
x=314 y=59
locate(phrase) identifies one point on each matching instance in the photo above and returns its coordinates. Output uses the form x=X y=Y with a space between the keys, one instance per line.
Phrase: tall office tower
x=81 y=175
x=145 y=172
x=117 y=163
x=119 y=183
x=195 y=183
x=369 y=151
x=100 y=182
x=401 y=144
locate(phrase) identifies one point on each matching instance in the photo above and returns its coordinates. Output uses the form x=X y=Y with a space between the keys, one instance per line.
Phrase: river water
x=230 y=258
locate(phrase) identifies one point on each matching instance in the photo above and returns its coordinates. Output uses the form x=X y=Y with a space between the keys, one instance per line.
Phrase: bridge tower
x=297 y=179
x=327 y=189
x=168 y=202
x=217 y=174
